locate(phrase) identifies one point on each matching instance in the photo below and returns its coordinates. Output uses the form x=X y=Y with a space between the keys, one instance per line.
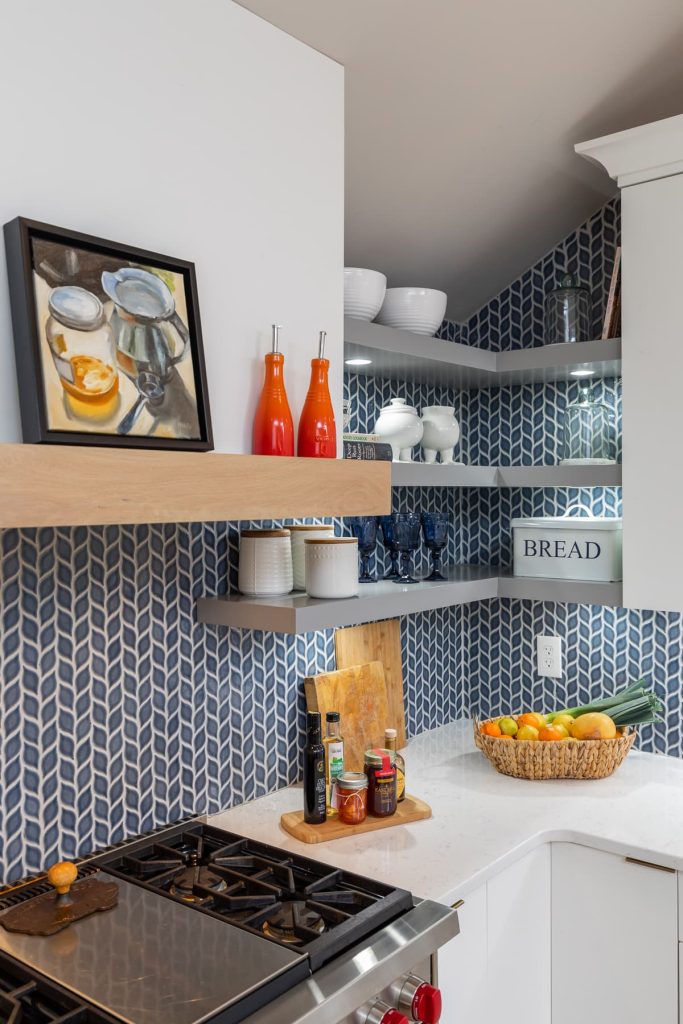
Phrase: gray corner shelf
x=419 y=474
x=298 y=613
x=401 y=355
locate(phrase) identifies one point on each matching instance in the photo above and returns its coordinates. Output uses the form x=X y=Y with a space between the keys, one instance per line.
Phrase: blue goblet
x=387 y=527
x=365 y=530
x=407 y=533
x=435 y=530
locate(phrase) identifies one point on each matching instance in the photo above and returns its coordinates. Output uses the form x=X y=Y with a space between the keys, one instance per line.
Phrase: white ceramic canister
x=332 y=567
x=265 y=567
x=440 y=434
x=398 y=424
x=298 y=535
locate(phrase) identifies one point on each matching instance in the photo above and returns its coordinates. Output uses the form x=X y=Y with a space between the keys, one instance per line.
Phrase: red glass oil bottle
x=273 y=430
x=317 y=430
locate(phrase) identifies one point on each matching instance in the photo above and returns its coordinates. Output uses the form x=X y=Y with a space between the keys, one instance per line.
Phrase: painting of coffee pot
x=108 y=342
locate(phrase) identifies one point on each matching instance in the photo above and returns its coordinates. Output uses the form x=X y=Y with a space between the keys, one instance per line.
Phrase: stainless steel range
x=211 y=926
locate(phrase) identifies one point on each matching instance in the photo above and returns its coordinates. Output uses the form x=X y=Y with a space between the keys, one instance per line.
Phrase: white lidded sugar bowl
x=399 y=425
x=441 y=433
x=265 y=566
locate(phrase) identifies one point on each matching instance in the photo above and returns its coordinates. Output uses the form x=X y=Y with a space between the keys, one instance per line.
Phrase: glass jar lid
x=352 y=780
x=568 y=283
x=76 y=307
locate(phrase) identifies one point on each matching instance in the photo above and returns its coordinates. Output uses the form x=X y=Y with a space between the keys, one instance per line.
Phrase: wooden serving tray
x=410 y=809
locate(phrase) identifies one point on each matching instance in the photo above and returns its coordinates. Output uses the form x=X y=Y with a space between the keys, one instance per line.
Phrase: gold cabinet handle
x=649 y=864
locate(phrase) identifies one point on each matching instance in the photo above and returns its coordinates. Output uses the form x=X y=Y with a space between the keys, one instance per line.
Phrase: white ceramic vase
x=399 y=425
x=441 y=433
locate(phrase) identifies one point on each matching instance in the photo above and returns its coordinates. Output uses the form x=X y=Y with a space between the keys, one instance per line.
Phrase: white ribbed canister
x=298 y=536
x=332 y=567
x=265 y=567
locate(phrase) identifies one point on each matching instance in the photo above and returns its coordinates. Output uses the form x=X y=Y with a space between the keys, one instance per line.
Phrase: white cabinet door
x=614 y=939
x=462 y=965
x=652 y=363
x=518 y=916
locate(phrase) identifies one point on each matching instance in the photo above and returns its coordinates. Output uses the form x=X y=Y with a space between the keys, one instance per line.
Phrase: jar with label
x=351 y=796
x=334 y=755
x=381 y=773
x=390 y=739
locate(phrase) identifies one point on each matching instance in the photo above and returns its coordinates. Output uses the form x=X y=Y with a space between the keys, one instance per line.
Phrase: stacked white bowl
x=420 y=310
x=363 y=292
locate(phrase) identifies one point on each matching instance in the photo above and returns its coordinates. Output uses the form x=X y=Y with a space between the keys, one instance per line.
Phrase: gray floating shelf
x=419 y=474
x=298 y=613
x=401 y=355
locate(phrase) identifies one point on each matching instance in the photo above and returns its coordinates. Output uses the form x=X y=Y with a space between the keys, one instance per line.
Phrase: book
x=374 y=438
x=609 y=325
x=368 y=451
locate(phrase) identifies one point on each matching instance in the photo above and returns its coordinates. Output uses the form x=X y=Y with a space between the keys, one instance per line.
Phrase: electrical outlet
x=549 y=655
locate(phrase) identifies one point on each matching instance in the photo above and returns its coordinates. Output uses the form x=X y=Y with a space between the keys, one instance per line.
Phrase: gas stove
x=211 y=926
x=291 y=900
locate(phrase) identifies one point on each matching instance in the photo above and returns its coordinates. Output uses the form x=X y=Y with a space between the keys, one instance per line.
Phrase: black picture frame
x=20 y=234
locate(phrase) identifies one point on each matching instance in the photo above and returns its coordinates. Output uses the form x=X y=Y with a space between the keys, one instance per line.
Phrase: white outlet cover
x=549 y=656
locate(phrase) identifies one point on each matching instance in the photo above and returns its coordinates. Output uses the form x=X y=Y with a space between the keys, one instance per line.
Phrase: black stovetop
x=294 y=901
x=26 y=997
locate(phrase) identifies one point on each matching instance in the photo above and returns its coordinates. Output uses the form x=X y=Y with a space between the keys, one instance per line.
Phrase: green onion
x=631 y=692
x=633 y=705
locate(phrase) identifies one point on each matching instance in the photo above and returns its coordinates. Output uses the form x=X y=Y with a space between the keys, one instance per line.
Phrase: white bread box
x=568 y=547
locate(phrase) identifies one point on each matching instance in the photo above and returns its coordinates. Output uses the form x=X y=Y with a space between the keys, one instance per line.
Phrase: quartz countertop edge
x=482 y=821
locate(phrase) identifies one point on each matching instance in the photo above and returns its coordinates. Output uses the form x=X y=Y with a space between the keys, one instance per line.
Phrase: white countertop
x=481 y=819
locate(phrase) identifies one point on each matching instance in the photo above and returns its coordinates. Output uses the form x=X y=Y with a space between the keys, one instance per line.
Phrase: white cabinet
x=518 y=916
x=614 y=939
x=462 y=965
x=504 y=938
x=649 y=160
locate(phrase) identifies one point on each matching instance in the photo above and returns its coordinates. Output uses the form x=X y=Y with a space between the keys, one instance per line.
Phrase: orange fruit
x=503 y=736
x=549 y=732
x=491 y=729
x=531 y=718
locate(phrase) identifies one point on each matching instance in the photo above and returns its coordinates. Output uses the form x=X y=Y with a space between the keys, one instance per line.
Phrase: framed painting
x=107 y=340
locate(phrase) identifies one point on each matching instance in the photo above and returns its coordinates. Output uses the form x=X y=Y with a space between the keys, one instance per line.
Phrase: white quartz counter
x=482 y=820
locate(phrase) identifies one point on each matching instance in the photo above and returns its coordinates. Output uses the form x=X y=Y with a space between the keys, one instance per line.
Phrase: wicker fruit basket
x=534 y=759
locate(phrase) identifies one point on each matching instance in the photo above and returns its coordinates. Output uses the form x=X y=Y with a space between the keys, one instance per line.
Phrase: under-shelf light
x=358 y=362
x=582 y=373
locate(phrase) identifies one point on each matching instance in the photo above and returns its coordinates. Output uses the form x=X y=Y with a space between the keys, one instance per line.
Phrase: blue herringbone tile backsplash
x=118 y=712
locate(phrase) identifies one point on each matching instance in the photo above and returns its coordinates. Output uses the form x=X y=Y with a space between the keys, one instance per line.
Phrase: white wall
x=193 y=128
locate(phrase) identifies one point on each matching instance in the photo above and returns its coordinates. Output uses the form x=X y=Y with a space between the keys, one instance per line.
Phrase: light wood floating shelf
x=401 y=355
x=59 y=485
x=298 y=613
x=419 y=474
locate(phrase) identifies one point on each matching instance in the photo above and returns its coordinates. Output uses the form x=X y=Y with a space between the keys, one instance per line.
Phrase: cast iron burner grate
x=28 y=998
x=291 y=900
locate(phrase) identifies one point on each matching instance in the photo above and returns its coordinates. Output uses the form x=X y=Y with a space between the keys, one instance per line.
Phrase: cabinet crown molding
x=639 y=154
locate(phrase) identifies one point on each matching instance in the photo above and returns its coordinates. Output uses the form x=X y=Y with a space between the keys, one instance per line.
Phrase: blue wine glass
x=387 y=527
x=365 y=530
x=435 y=529
x=407 y=534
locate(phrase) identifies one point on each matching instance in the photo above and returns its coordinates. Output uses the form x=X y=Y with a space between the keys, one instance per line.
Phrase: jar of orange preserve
x=352 y=797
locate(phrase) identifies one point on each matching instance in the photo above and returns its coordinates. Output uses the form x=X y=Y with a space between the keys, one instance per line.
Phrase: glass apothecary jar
x=82 y=347
x=590 y=431
x=567 y=312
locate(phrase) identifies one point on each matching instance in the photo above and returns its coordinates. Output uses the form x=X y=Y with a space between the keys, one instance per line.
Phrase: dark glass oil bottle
x=315 y=811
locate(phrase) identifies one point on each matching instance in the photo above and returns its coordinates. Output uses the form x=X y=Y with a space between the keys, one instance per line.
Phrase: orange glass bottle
x=317 y=429
x=273 y=430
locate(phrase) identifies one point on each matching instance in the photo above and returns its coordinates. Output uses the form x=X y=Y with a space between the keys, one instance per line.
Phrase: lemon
x=508 y=726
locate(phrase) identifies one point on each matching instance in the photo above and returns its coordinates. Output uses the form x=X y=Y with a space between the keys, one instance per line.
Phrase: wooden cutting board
x=377 y=641
x=410 y=809
x=359 y=694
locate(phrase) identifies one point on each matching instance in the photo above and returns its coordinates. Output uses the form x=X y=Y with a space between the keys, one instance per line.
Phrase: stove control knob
x=382 y=1013
x=420 y=1000
x=62 y=876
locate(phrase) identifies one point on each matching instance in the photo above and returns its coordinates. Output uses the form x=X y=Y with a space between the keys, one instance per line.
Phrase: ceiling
x=461 y=118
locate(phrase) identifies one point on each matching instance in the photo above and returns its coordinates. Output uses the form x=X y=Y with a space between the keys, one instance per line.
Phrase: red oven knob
x=427 y=1004
x=382 y=1013
x=419 y=1000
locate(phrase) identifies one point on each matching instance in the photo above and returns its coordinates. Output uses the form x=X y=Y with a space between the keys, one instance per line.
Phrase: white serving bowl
x=363 y=292
x=420 y=310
